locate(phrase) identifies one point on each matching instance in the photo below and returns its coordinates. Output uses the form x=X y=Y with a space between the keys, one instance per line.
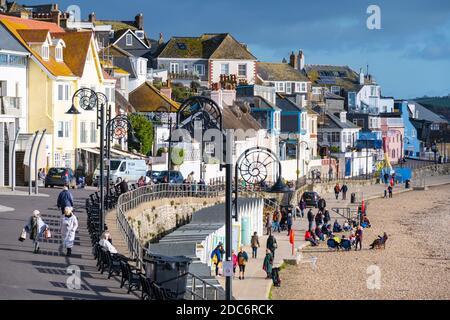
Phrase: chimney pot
x=92 y=17
x=139 y=21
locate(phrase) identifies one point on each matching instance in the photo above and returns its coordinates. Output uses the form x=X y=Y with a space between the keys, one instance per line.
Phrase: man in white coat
x=69 y=226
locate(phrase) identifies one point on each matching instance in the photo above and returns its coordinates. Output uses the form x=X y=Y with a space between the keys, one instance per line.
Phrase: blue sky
x=409 y=56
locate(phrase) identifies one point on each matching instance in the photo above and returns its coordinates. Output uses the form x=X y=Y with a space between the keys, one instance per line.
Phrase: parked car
x=60 y=177
x=311 y=198
x=175 y=177
x=121 y=169
x=153 y=175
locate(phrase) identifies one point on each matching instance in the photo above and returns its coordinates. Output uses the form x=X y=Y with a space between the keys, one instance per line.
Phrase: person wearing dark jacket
x=326 y=217
x=289 y=222
x=271 y=244
x=319 y=218
x=310 y=216
x=65 y=199
x=217 y=256
x=255 y=244
x=123 y=186
x=321 y=204
x=344 y=190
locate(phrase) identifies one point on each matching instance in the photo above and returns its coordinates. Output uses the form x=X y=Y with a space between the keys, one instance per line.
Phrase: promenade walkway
x=256 y=287
x=24 y=275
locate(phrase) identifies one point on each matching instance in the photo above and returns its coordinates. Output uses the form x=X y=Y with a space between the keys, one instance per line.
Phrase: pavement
x=256 y=287
x=24 y=275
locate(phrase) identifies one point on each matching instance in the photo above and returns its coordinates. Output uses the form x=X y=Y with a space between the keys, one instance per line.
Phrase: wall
x=233 y=69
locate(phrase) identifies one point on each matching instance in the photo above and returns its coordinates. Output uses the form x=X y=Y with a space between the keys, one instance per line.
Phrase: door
x=348 y=166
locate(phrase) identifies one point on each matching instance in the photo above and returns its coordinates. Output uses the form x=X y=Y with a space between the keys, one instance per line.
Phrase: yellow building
x=62 y=62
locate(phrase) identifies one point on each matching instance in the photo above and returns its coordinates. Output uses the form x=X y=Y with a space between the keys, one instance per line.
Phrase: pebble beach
x=414 y=265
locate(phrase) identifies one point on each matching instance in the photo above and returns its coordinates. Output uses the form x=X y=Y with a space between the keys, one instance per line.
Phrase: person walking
x=344 y=190
x=123 y=186
x=289 y=222
x=271 y=244
x=322 y=204
x=302 y=206
x=235 y=261
x=65 y=199
x=279 y=216
x=255 y=244
x=319 y=219
x=36 y=228
x=268 y=224
x=268 y=263
x=326 y=217
x=310 y=216
x=68 y=228
x=390 y=191
x=216 y=256
x=359 y=237
x=242 y=261
x=385 y=193
x=337 y=189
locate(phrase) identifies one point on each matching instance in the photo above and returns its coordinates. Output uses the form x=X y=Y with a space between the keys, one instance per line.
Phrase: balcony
x=12 y=105
x=184 y=76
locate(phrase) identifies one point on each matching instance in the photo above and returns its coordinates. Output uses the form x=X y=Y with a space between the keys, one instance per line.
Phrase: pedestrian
x=390 y=191
x=216 y=256
x=326 y=217
x=234 y=258
x=255 y=244
x=321 y=204
x=36 y=228
x=386 y=178
x=242 y=261
x=123 y=186
x=344 y=190
x=271 y=244
x=385 y=193
x=289 y=222
x=319 y=219
x=302 y=206
x=337 y=189
x=279 y=216
x=268 y=263
x=268 y=224
x=41 y=175
x=310 y=216
x=68 y=228
x=65 y=177
x=190 y=177
x=65 y=199
x=359 y=237
x=141 y=181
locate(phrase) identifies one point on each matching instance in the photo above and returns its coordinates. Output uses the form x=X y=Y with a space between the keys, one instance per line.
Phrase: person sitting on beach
x=319 y=234
x=347 y=226
x=309 y=236
x=326 y=229
x=366 y=223
x=336 y=226
x=352 y=238
x=337 y=241
x=345 y=243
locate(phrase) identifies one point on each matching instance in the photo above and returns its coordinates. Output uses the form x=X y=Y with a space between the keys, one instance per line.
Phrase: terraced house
x=208 y=59
x=60 y=63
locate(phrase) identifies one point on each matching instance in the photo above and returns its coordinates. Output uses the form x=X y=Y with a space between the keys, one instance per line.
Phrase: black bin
x=353 y=198
x=168 y=272
x=407 y=183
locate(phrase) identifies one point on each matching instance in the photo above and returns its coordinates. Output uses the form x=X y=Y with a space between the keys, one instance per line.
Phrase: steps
x=118 y=240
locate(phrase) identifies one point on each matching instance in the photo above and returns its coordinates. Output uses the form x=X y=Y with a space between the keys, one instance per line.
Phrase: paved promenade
x=256 y=287
x=24 y=275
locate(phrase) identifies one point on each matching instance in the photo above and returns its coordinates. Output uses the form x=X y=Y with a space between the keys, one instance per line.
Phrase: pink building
x=393 y=131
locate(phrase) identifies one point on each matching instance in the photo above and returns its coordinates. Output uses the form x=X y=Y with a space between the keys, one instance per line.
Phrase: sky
x=409 y=56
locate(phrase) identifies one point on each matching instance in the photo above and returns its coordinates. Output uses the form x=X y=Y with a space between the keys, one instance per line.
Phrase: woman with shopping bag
x=69 y=226
x=36 y=228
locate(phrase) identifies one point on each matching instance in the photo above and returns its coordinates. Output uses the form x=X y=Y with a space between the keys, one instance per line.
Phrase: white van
x=128 y=169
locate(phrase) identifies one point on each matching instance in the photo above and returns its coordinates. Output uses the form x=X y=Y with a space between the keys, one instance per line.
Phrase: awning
x=125 y=154
x=91 y=150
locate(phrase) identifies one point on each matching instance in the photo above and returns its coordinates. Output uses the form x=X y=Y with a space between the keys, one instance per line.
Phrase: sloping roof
x=77 y=47
x=343 y=125
x=147 y=98
x=426 y=114
x=207 y=46
x=116 y=25
x=269 y=71
x=234 y=118
x=123 y=103
x=8 y=42
x=33 y=35
x=342 y=76
x=14 y=24
x=286 y=104
x=330 y=95
x=259 y=103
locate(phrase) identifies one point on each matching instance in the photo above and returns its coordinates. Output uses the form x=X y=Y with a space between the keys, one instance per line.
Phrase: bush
x=144 y=132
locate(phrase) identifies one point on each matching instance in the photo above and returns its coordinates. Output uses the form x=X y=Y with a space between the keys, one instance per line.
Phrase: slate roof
x=206 y=46
x=426 y=114
x=286 y=104
x=269 y=71
x=259 y=102
x=123 y=103
x=33 y=35
x=235 y=118
x=342 y=76
x=333 y=121
x=147 y=98
x=8 y=42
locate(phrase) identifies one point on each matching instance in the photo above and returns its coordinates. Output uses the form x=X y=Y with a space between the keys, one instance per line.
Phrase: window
x=59 y=53
x=57 y=159
x=122 y=83
x=60 y=129
x=373 y=91
x=335 y=137
x=83 y=132
x=185 y=68
x=297 y=87
x=110 y=94
x=68 y=159
x=280 y=86
x=93 y=132
x=13 y=60
x=45 y=52
x=288 y=87
x=316 y=90
x=140 y=34
x=336 y=90
x=123 y=167
x=200 y=69
x=64 y=92
x=435 y=127
x=174 y=68
x=63 y=129
x=242 y=70
x=303 y=84
x=3 y=59
x=225 y=68
x=3 y=89
x=129 y=40
x=67 y=129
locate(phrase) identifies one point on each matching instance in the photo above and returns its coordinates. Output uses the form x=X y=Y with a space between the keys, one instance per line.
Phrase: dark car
x=175 y=177
x=311 y=198
x=153 y=175
x=60 y=177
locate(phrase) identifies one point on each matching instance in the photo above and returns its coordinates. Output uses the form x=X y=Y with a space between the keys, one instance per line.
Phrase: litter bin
x=353 y=198
x=407 y=184
x=168 y=272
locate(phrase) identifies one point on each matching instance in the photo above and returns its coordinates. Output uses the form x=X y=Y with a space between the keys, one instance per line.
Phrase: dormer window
x=45 y=52
x=59 y=53
x=140 y=34
x=129 y=40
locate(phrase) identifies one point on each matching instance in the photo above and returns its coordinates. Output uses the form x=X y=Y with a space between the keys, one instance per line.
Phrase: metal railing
x=200 y=289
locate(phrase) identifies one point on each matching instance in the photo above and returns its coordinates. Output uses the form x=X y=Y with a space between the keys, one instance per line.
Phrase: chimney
x=301 y=60
x=139 y=21
x=161 y=39
x=56 y=16
x=92 y=17
x=293 y=60
x=343 y=116
x=361 y=77
x=3 y=5
x=166 y=91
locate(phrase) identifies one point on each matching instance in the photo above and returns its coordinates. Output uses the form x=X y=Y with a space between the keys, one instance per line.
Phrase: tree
x=144 y=132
